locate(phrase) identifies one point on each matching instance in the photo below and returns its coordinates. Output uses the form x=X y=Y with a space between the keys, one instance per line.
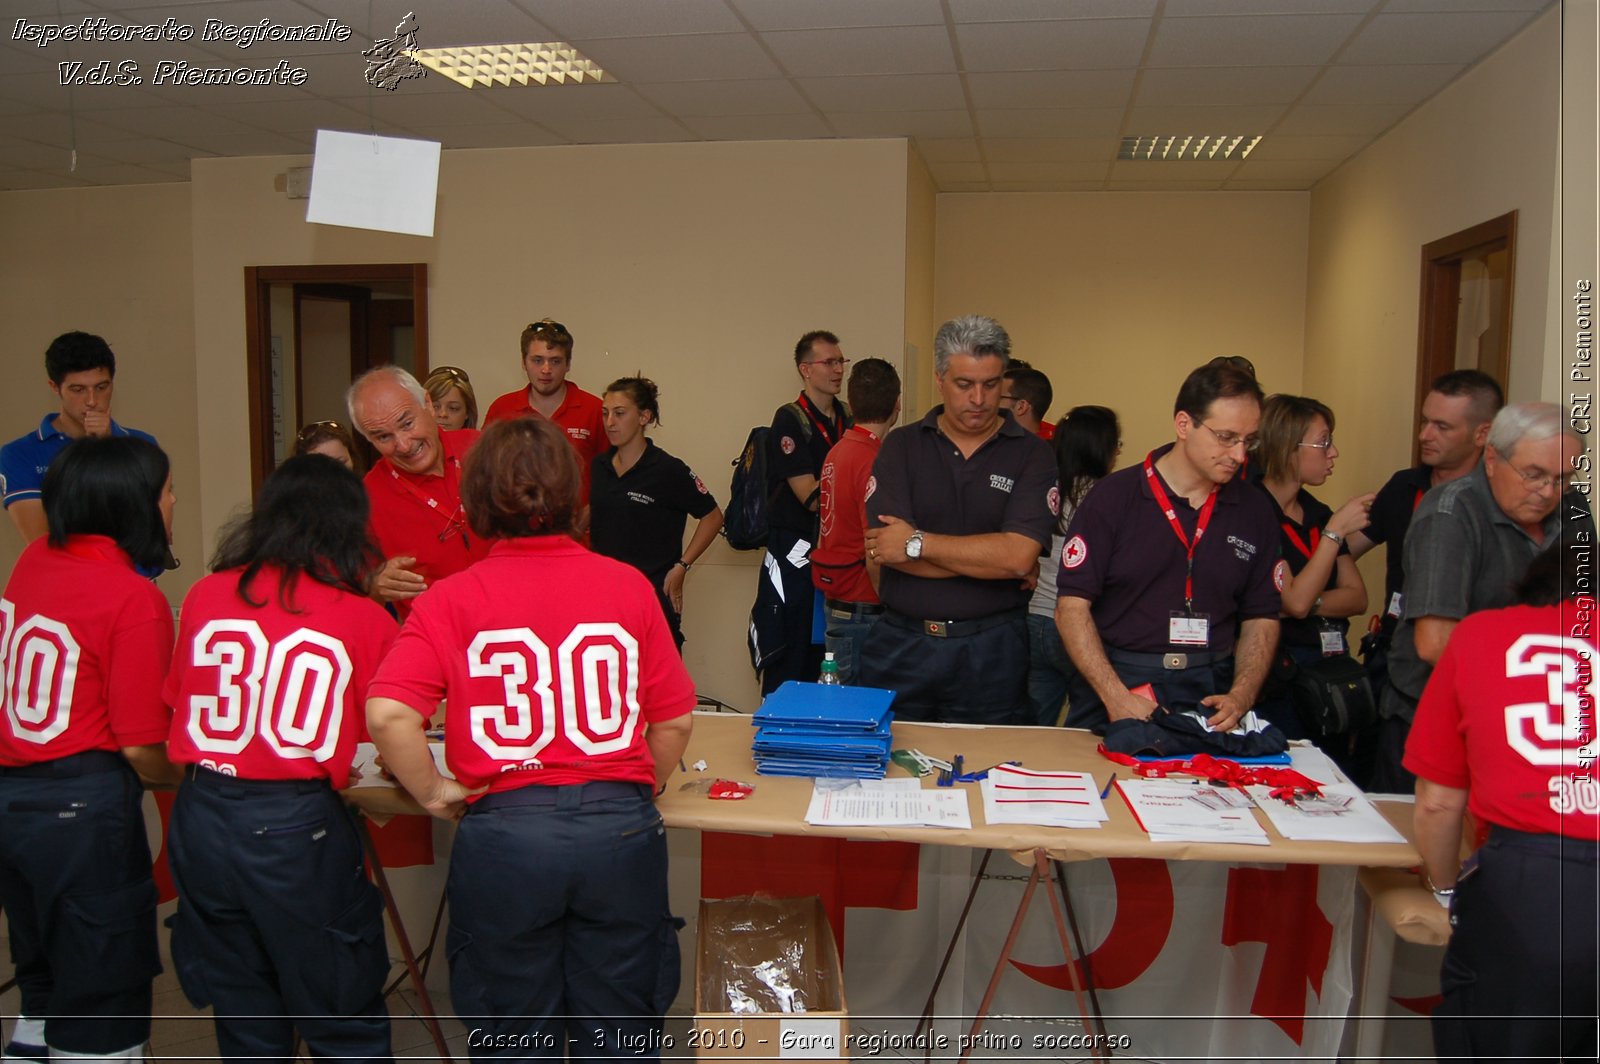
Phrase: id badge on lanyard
x=1188 y=628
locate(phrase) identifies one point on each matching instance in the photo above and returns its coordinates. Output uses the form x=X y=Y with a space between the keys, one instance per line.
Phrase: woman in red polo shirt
x=278 y=928
x=568 y=706
x=1506 y=727
x=84 y=639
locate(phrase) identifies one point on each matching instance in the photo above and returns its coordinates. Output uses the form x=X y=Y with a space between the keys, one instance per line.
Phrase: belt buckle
x=1175 y=661
x=938 y=628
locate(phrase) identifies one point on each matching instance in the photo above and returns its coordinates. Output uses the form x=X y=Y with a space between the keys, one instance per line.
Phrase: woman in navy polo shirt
x=1319 y=581
x=640 y=498
x=84 y=641
x=568 y=708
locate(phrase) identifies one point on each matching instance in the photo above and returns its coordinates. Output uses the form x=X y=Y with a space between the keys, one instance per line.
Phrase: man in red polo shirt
x=839 y=561
x=1026 y=392
x=546 y=358
x=415 y=487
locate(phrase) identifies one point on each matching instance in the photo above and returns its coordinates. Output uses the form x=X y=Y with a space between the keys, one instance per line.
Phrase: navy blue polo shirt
x=1391 y=518
x=1306 y=631
x=920 y=476
x=797 y=446
x=24 y=460
x=640 y=516
x=1121 y=555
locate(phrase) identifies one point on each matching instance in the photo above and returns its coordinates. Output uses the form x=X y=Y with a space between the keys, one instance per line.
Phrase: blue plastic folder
x=808 y=729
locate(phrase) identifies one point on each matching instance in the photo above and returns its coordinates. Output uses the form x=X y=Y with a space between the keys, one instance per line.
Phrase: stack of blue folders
x=811 y=729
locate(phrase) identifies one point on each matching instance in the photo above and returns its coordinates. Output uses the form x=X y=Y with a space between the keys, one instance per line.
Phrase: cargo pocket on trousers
x=107 y=938
x=189 y=951
x=355 y=961
x=668 y=975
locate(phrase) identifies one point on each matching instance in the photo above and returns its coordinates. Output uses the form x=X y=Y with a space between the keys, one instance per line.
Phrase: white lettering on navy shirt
x=1001 y=483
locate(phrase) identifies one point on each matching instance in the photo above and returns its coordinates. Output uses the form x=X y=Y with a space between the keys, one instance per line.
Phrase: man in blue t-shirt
x=80 y=367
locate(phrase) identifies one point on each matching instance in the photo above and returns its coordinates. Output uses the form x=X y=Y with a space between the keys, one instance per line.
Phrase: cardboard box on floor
x=768 y=953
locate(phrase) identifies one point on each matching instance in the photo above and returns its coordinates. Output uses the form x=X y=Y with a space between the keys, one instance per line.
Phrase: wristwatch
x=914 y=545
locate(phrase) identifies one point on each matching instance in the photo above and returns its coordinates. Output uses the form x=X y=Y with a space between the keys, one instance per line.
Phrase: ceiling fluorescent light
x=487 y=65
x=1190 y=148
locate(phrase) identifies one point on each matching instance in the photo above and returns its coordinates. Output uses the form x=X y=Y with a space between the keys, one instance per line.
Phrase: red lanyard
x=454 y=522
x=1300 y=544
x=1177 y=529
x=829 y=432
x=1416 y=502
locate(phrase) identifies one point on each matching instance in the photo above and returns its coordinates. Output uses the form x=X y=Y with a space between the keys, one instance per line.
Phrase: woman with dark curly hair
x=568 y=708
x=278 y=928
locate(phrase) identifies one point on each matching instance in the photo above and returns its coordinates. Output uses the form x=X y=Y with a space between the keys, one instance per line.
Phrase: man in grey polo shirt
x=1470 y=540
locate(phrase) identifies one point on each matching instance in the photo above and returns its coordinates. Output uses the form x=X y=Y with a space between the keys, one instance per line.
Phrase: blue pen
x=1110 y=783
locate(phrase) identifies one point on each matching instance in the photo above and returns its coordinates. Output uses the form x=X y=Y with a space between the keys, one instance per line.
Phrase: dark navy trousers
x=76 y=888
x=559 y=925
x=278 y=927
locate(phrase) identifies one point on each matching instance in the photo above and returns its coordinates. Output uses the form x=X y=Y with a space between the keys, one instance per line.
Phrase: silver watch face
x=914 y=545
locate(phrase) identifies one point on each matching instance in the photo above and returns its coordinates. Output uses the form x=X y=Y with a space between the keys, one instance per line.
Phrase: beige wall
x=922 y=205
x=1484 y=146
x=699 y=264
x=1117 y=295
x=115 y=262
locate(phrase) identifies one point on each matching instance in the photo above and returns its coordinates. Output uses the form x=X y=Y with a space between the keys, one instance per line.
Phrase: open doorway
x=311 y=330
x=1465 y=320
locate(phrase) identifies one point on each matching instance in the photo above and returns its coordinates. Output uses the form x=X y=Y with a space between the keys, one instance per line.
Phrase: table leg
x=381 y=880
x=424 y=955
x=926 y=1019
x=1376 y=972
x=1077 y=945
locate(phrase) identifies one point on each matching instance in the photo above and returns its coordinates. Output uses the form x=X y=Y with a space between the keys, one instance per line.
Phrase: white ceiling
x=998 y=95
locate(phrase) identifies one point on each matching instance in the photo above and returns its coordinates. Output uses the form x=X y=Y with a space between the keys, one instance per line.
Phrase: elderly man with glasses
x=546 y=358
x=1469 y=542
x=1166 y=576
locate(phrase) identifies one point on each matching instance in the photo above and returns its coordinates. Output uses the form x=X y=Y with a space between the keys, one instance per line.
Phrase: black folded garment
x=1183 y=734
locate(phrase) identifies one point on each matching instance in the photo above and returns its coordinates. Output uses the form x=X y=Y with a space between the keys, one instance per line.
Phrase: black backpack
x=744 y=520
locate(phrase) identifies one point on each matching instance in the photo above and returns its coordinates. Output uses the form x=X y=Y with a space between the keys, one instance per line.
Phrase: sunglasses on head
x=448 y=371
x=551 y=328
x=317 y=428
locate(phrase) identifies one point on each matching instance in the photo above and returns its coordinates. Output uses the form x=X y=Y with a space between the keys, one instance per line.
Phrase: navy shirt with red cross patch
x=1121 y=554
x=797 y=450
x=921 y=477
x=639 y=517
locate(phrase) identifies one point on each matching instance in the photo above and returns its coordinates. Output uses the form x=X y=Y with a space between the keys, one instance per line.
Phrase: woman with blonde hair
x=455 y=406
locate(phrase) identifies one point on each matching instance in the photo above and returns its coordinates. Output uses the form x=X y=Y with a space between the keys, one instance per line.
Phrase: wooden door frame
x=1440 y=295
x=258 y=282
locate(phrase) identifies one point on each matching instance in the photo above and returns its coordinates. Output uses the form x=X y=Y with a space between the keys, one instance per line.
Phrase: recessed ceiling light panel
x=1194 y=148
x=487 y=65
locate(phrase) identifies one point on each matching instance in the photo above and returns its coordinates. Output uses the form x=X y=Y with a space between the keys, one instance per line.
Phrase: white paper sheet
x=867 y=805
x=366 y=181
x=1171 y=811
x=1014 y=795
x=1343 y=814
x=365 y=765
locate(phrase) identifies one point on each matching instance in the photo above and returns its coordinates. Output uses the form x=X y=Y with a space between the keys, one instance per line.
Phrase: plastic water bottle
x=830 y=670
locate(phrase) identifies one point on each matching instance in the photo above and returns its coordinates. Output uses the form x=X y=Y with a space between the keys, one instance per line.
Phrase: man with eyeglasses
x=546 y=358
x=786 y=620
x=1469 y=542
x=1026 y=392
x=80 y=367
x=414 y=487
x=1166 y=576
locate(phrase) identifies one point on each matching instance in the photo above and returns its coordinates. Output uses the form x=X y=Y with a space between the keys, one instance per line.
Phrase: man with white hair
x=415 y=487
x=1469 y=542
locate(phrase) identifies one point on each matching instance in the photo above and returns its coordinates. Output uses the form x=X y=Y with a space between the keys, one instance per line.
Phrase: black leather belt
x=538 y=794
x=236 y=787
x=87 y=763
x=1174 y=660
x=1558 y=845
x=952 y=629
x=854 y=610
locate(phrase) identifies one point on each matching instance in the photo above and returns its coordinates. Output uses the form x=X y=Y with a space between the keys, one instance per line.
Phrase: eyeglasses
x=1538 y=480
x=554 y=329
x=831 y=363
x=1321 y=445
x=1230 y=440
x=319 y=428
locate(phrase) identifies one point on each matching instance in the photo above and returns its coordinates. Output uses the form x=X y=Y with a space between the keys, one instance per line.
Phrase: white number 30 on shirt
x=602 y=656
